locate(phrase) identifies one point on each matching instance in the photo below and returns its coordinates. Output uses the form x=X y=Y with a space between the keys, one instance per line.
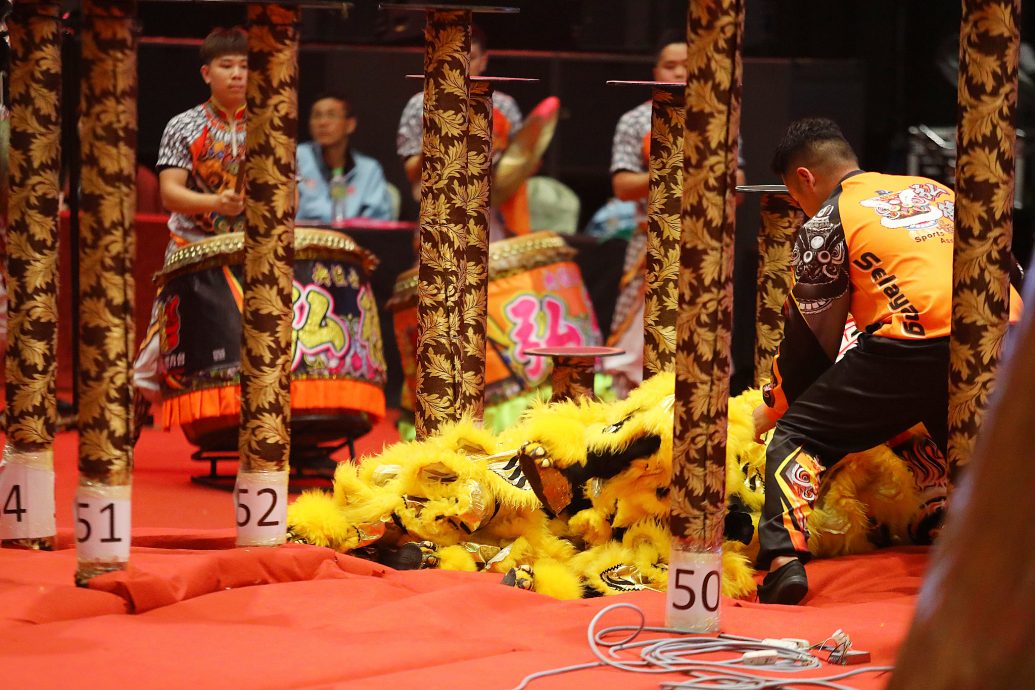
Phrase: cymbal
x=521 y=158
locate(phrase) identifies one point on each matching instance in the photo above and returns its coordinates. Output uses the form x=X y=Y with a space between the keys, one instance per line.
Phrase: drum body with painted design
x=337 y=362
x=536 y=298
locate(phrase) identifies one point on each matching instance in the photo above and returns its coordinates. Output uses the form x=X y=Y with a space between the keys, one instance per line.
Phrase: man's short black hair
x=220 y=42
x=809 y=141
x=667 y=38
x=334 y=95
x=478 y=38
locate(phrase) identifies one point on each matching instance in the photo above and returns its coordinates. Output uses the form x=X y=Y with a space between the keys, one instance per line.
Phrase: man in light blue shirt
x=328 y=155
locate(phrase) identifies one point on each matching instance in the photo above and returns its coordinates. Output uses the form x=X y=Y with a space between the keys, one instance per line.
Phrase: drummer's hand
x=762 y=422
x=229 y=203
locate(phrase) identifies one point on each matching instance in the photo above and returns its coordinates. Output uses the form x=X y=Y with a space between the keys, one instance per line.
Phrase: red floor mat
x=301 y=616
x=209 y=615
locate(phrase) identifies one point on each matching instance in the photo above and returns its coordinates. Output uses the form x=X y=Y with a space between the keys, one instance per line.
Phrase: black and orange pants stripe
x=879 y=389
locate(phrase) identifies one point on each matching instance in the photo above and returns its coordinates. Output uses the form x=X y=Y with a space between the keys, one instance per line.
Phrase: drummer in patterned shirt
x=202 y=151
x=200 y=160
x=506 y=121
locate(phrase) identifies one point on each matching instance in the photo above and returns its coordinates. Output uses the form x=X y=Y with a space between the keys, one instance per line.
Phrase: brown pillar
x=715 y=30
x=443 y=218
x=572 y=378
x=973 y=621
x=985 y=141
x=781 y=218
x=661 y=300
x=476 y=286
x=27 y=483
x=107 y=205
x=265 y=442
x=976 y=612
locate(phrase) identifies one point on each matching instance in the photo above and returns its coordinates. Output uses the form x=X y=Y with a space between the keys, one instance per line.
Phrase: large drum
x=536 y=299
x=337 y=362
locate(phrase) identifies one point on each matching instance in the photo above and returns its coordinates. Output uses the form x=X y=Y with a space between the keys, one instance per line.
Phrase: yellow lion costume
x=573 y=501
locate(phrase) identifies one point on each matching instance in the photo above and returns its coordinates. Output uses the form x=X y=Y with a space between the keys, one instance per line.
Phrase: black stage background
x=873 y=66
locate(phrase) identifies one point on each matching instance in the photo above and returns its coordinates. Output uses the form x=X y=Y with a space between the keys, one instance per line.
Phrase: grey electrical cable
x=670 y=655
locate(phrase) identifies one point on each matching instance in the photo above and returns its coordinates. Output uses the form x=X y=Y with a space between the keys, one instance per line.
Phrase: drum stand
x=302 y=478
x=573 y=369
x=315 y=438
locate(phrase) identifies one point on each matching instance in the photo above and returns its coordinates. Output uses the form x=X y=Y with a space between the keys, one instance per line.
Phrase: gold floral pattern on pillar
x=107 y=204
x=443 y=218
x=32 y=234
x=781 y=218
x=989 y=40
x=476 y=286
x=714 y=31
x=572 y=378
x=269 y=237
x=664 y=204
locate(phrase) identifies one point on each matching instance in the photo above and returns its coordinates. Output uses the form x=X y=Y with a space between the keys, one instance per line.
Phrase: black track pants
x=879 y=389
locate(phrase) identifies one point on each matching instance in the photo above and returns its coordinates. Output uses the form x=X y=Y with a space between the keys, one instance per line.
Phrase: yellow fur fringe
x=461 y=486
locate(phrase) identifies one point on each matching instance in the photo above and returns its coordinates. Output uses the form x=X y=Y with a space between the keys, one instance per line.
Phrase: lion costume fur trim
x=460 y=486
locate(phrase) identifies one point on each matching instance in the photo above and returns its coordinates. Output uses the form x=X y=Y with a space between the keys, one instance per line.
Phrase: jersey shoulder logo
x=917 y=207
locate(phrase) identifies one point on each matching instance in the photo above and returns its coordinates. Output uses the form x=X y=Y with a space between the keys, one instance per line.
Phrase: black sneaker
x=785 y=585
x=412 y=556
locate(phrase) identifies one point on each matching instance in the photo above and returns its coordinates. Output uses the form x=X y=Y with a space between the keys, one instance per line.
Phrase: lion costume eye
x=438 y=472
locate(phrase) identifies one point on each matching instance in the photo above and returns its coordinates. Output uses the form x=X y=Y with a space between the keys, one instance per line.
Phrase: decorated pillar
x=781 y=218
x=272 y=129
x=107 y=205
x=27 y=482
x=985 y=141
x=973 y=620
x=714 y=33
x=572 y=378
x=664 y=203
x=444 y=218
x=476 y=286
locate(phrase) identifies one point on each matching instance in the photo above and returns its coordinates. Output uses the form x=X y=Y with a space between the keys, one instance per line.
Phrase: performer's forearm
x=412 y=167
x=630 y=186
x=188 y=202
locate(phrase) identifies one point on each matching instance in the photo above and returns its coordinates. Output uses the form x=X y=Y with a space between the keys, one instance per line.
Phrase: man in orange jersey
x=878 y=247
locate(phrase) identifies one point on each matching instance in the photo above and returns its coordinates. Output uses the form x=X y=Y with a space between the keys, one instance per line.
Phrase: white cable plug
x=760 y=657
x=792 y=643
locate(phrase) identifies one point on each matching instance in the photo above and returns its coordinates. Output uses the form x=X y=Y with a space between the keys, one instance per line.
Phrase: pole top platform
x=342 y=5
x=483 y=78
x=662 y=84
x=447 y=7
x=762 y=188
x=573 y=351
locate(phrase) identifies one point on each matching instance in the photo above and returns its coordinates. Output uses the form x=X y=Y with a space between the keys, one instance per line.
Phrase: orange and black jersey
x=880 y=249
